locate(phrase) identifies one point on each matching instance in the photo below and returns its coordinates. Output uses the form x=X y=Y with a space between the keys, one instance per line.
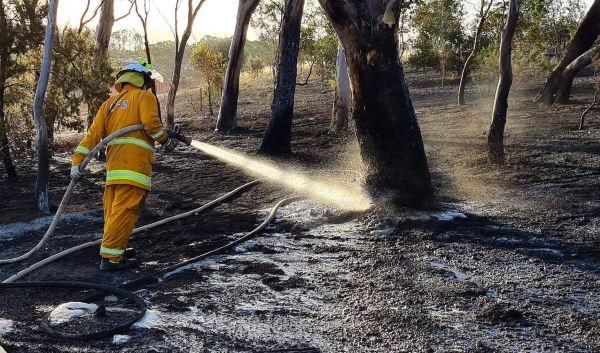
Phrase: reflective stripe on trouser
x=122 y=207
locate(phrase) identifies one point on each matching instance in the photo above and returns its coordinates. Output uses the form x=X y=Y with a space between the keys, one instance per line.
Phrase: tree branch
x=128 y=12
x=83 y=22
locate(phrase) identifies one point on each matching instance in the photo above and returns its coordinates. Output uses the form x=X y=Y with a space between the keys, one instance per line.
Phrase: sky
x=216 y=17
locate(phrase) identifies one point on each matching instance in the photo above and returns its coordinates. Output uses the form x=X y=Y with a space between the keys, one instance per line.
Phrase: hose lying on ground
x=119 y=293
x=124 y=291
x=72 y=250
x=154 y=278
x=65 y=199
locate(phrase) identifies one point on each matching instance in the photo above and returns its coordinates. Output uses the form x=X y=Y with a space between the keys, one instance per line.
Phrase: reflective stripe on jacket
x=130 y=156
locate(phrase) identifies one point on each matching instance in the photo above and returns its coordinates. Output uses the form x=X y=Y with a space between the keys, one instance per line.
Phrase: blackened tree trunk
x=386 y=124
x=231 y=85
x=483 y=15
x=343 y=95
x=43 y=173
x=4 y=57
x=210 y=103
x=11 y=172
x=582 y=41
x=179 y=51
x=496 y=133
x=278 y=137
x=563 y=92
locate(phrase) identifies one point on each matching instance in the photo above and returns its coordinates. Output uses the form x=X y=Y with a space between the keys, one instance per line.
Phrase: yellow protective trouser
x=122 y=207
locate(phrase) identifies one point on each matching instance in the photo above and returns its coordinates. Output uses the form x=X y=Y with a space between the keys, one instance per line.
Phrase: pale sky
x=216 y=17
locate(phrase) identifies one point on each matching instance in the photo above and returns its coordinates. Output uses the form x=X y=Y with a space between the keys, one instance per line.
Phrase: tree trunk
x=343 y=95
x=278 y=137
x=11 y=172
x=496 y=133
x=231 y=85
x=210 y=104
x=201 y=102
x=483 y=13
x=4 y=146
x=563 y=93
x=582 y=41
x=386 y=124
x=43 y=174
x=104 y=28
x=180 y=50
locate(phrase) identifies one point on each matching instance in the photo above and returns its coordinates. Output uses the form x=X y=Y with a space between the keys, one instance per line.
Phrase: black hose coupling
x=176 y=134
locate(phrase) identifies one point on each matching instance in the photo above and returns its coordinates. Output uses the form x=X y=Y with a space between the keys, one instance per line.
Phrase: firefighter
x=129 y=159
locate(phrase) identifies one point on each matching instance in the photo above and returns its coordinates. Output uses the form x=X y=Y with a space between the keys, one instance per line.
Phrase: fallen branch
x=581 y=120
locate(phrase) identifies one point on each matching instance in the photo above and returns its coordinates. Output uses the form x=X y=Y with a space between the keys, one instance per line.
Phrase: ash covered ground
x=507 y=262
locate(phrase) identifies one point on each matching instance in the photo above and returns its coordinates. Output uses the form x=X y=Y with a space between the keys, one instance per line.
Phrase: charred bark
x=4 y=145
x=43 y=154
x=278 y=137
x=582 y=41
x=179 y=51
x=231 y=85
x=483 y=14
x=386 y=124
x=343 y=95
x=496 y=133
x=9 y=167
x=563 y=92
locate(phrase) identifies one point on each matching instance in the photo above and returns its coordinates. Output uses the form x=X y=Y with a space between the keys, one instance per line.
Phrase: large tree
x=496 y=133
x=278 y=137
x=180 y=45
x=563 y=89
x=105 y=24
x=386 y=124
x=43 y=173
x=582 y=41
x=231 y=86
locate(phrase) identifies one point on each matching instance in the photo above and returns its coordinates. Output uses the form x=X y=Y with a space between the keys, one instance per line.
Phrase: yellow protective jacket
x=130 y=156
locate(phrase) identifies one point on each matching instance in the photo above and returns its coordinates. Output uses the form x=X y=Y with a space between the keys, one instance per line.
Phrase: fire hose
x=124 y=291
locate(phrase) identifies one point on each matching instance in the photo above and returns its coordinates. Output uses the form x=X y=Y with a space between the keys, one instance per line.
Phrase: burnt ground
x=509 y=261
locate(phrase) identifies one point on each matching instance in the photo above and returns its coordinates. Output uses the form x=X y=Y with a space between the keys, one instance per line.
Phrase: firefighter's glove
x=170 y=144
x=176 y=134
x=76 y=172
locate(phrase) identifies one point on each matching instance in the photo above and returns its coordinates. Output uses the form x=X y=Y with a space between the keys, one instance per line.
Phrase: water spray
x=347 y=198
x=351 y=198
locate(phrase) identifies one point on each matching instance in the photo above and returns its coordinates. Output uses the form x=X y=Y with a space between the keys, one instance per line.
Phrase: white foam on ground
x=446 y=216
x=541 y=251
x=7 y=326
x=120 y=339
x=151 y=319
x=194 y=266
x=68 y=311
x=111 y=298
x=13 y=230
x=306 y=213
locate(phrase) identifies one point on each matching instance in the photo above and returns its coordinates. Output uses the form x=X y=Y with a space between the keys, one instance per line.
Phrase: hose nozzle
x=176 y=134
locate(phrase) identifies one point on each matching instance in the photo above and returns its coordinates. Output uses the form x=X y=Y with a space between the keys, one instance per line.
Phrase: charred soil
x=508 y=262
